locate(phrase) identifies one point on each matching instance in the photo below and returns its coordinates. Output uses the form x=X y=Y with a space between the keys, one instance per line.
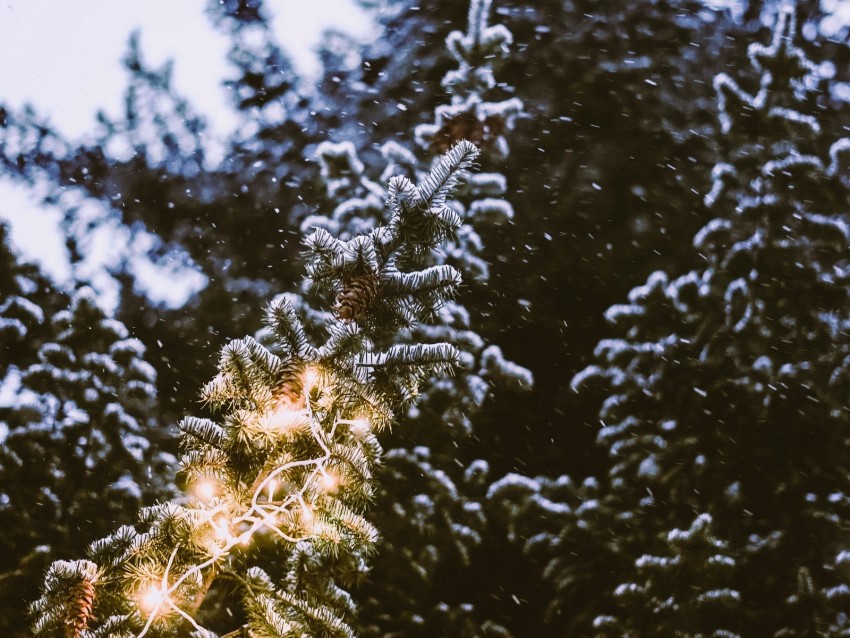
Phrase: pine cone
x=79 y=601
x=358 y=293
x=467 y=126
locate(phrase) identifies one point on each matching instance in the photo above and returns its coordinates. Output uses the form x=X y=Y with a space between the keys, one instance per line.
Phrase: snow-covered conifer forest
x=523 y=320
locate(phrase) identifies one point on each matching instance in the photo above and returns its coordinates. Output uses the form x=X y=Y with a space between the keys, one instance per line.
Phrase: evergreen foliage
x=80 y=449
x=28 y=297
x=428 y=503
x=431 y=524
x=289 y=463
x=154 y=170
x=719 y=490
x=725 y=412
x=606 y=166
x=659 y=603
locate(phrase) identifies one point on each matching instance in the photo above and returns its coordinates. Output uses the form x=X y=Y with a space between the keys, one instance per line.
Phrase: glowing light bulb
x=330 y=482
x=278 y=421
x=205 y=490
x=222 y=531
x=307 y=517
x=151 y=599
x=311 y=378
x=272 y=487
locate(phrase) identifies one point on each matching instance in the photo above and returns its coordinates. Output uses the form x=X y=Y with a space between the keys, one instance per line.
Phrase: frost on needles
x=428 y=501
x=281 y=478
x=724 y=403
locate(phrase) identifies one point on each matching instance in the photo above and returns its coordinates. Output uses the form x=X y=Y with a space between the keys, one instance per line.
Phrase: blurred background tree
x=723 y=411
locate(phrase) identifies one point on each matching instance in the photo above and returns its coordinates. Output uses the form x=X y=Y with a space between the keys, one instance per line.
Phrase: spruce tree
x=433 y=499
x=725 y=410
x=429 y=501
x=683 y=591
x=27 y=298
x=622 y=92
x=282 y=477
x=80 y=449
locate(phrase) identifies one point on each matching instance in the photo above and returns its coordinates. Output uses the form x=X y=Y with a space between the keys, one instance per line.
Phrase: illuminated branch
x=292 y=453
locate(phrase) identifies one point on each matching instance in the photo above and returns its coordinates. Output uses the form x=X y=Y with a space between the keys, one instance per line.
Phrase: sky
x=64 y=58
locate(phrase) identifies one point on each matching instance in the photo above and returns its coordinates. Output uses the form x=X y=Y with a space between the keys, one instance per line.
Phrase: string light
x=151 y=599
x=330 y=481
x=268 y=513
x=222 y=531
x=205 y=490
x=155 y=597
x=311 y=378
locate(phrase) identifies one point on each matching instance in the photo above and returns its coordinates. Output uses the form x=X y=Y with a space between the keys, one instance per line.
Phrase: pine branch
x=443 y=178
x=292 y=457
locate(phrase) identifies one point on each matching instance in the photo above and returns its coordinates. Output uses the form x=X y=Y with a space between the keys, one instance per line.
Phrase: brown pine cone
x=79 y=601
x=358 y=293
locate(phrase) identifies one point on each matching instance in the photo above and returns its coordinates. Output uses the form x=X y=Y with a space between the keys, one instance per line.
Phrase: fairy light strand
x=259 y=515
x=163 y=597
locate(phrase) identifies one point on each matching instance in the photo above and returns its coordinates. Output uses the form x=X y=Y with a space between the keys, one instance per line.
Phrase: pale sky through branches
x=64 y=58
